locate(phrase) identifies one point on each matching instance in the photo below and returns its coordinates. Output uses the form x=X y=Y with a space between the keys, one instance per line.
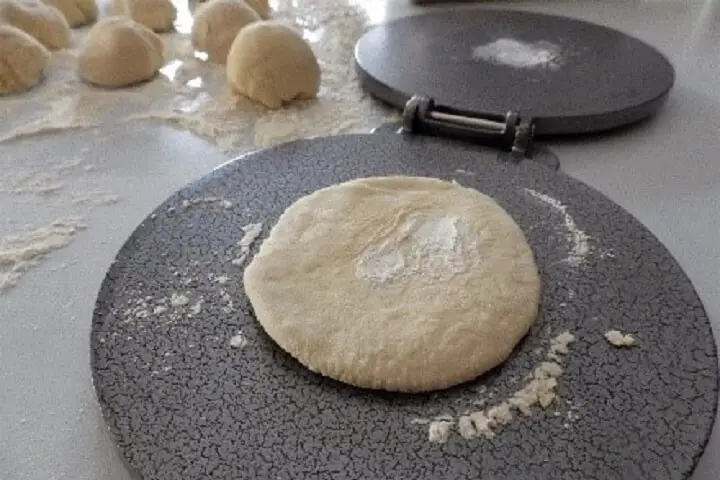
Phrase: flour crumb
x=560 y=345
x=619 y=339
x=578 y=239
x=222 y=280
x=21 y=252
x=197 y=308
x=238 y=341
x=178 y=300
x=466 y=427
x=419 y=421
x=251 y=233
x=159 y=310
x=439 y=431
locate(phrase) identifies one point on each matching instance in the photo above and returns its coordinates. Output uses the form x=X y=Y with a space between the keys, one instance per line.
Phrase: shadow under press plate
x=181 y=402
x=568 y=76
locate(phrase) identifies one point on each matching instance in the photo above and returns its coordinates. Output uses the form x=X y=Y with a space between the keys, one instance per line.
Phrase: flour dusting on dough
x=434 y=246
x=577 y=237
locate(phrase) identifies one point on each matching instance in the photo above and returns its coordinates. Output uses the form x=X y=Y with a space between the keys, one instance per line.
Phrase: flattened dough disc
x=182 y=403
x=571 y=76
x=415 y=273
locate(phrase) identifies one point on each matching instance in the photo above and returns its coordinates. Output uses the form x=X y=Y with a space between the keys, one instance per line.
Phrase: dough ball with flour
x=217 y=23
x=36 y=18
x=272 y=64
x=120 y=52
x=23 y=60
x=262 y=7
x=157 y=15
x=77 y=12
x=396 y=283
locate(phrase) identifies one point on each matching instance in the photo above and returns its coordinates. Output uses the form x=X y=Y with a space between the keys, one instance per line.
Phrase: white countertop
x=112 y=173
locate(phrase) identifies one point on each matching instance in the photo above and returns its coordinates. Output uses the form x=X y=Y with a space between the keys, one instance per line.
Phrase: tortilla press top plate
x=570 y=76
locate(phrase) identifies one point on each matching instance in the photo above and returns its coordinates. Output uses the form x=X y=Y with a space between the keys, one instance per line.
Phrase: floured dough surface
x=77 y=12
x=22 y=60
x=270 y=63
x=38 y=19
x=157 y=15
x=217 y=23
x=262 y=7
x=119 y=52
x=396 y=283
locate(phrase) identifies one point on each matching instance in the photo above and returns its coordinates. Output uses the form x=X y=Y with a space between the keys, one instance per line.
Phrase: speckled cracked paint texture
x=182 y=404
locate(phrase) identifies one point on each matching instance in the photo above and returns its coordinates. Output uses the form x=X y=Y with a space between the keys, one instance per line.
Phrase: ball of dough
x=77 y=12
x=217 y=23
x=120 y=52
x=42 y=21
x=22 y=60
x=157 y=15
x=395 y=283
x=262 y=7
x=272 y=64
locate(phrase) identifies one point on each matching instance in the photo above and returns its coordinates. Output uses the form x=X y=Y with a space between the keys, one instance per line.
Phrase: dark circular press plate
x=570 y=75
x=182 y=403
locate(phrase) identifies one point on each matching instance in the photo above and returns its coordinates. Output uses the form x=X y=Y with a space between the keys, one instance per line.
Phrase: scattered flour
x=517 y=54
x=196 y=201
x=578 y=238
x=433 y=245
x=619 y=339
x=439 y=431
x=540 y=390
x=177 y=300
x=251 y=233
x=238 y=341
x=21 y=252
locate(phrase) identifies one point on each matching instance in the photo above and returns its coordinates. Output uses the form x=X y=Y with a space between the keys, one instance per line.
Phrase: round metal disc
x=182 y=402
x=571 y=76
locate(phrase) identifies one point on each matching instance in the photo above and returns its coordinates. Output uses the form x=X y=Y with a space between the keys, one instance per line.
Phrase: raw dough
x=272 y=64
x=22 y=60
x=262 y=7
x=217 y=23
x=158 y=15
x=77 y=12
x=396 y=283
x=119 y=52
x=44 y=22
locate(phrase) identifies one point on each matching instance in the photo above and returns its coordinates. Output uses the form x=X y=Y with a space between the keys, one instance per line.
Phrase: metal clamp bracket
x=509 y=133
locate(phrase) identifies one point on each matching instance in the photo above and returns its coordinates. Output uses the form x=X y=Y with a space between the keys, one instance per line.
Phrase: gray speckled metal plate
x=182 y=404
x=591 y=79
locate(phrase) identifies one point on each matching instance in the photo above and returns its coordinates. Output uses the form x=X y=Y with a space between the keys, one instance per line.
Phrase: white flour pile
x=517 y=54
x=435 y=245
x=486 y=423
x=578 y=239
x=23 y=251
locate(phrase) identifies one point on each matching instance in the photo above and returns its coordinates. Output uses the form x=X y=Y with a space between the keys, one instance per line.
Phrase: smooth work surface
x=664 y=172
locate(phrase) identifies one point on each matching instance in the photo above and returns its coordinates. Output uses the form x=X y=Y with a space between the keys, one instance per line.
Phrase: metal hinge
x=509 y=133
